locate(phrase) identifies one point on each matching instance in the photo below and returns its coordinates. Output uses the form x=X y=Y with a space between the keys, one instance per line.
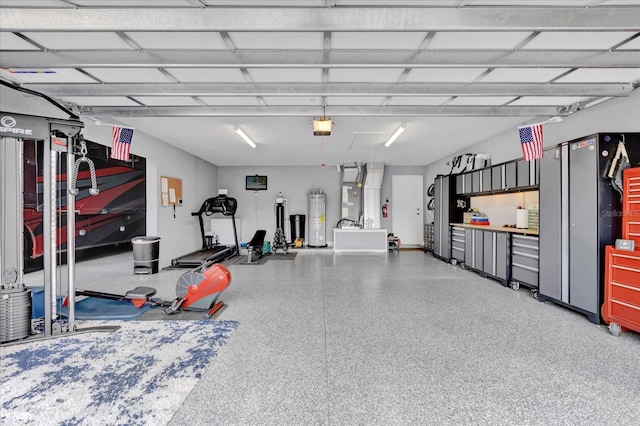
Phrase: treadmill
x=211 y=253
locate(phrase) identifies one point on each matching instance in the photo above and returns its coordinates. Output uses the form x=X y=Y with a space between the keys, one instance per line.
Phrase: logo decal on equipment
x=8 y=125
x=8 y=121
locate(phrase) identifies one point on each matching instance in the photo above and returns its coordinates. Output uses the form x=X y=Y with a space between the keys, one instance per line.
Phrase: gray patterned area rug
x=137 y=375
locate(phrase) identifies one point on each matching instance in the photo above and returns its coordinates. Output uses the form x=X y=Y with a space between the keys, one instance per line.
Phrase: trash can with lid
x=297 y=226
x=146 y=255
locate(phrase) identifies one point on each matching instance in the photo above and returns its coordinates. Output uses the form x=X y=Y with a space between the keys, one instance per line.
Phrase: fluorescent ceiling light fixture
x=246 y=138
x=322 y=126
x=394 y=136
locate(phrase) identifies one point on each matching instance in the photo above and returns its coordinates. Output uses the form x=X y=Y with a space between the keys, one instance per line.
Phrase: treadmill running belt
x=200 y=257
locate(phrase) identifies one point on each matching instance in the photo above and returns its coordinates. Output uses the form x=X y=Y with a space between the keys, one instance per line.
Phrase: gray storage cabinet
x=496 y=255
x=460 y=184
x=510 y=173
x=476 y=182
x=488 y=253
x=443 y=200
x=468 y=183
x=496 y=178
x=525 y=255
x=486 y=179
x=577 y=219
x=469 y=248
x=458 y=244
x=446 y=211
x=478 y=248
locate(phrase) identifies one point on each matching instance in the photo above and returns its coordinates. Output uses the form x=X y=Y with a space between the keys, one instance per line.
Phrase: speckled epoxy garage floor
x=403 y=338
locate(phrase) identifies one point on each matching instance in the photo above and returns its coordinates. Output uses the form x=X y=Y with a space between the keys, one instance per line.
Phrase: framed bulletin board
x=170 y=191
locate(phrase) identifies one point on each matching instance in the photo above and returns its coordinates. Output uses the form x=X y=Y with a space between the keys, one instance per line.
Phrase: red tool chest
x=621 y=308
x=622 y=289
x=631 y=206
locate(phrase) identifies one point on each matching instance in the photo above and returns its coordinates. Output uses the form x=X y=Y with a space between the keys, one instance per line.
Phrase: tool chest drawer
x=622 y=288
x=457 y=243
x=631 y=206
x=525 y=259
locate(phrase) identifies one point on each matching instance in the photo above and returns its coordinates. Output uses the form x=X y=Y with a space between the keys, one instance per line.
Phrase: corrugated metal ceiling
x=271 y=66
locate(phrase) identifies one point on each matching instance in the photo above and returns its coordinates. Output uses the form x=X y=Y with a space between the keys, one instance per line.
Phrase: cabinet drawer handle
x=626 y=268
x=626 y=256
x=524 y=237
x=628 y=305
x=532 y=256
x=526 y=246
x=628 y=287
x=458 y=249
x=528 y=268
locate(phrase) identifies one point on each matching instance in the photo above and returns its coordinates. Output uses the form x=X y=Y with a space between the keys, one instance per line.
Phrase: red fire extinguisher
x=385 y=211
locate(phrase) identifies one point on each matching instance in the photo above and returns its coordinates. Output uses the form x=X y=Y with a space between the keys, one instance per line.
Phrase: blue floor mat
x=95 y=308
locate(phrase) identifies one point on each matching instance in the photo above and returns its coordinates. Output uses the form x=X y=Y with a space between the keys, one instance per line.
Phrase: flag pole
x=554 y=119
x=99 y=122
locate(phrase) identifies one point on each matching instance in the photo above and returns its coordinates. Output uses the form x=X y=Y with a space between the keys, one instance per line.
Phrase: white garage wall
x=256 y=209
x=618 y=115
x=178 y=235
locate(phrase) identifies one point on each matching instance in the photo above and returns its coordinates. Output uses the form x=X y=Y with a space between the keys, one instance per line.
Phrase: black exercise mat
x=282 y=256
x=255 y=261
x=158 y=314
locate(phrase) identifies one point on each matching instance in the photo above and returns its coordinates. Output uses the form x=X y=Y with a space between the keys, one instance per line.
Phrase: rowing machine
x=194 y=289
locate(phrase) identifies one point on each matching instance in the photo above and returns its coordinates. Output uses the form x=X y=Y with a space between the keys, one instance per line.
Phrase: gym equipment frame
x=59 y=137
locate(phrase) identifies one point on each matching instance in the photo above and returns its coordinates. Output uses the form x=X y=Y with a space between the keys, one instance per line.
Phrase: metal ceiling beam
x=335 y=111
x=322 y=19
x=334 y=89
x=158 y=58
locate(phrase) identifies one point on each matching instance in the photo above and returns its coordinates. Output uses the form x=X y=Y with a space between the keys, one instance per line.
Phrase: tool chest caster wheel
x=614 y=329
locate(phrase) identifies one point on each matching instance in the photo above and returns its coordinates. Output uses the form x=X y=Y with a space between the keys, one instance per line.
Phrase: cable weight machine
x=60 y=139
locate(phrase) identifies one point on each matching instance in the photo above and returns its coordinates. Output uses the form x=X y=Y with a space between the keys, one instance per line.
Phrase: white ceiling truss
x=386 y=61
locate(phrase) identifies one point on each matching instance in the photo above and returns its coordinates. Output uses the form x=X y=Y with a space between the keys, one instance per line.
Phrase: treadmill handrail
x=220 y=204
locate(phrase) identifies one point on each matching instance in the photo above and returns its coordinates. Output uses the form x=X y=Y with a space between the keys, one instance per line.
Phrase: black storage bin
x=146 y=255
x=297 y=226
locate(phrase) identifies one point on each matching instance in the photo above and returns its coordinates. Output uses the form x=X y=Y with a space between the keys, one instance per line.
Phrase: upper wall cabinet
x=497 y=178
x=515 y=175
x=528 y=173
x=510 y=175
x=486 y=179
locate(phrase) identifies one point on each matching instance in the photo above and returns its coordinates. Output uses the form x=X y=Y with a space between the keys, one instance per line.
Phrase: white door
x=406 y=209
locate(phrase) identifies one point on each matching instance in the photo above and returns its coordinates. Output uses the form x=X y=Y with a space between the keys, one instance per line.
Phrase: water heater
x=317 y=222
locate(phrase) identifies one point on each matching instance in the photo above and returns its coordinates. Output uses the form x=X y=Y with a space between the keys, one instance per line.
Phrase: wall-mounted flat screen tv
x=256 y=183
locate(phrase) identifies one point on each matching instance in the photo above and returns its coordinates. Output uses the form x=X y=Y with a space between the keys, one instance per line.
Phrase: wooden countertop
x=497 y=228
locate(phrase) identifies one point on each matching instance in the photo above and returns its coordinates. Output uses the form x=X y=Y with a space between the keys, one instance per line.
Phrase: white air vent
x=367 y=141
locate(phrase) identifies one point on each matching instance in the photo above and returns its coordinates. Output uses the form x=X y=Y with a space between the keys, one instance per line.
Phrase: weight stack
x=15 y=312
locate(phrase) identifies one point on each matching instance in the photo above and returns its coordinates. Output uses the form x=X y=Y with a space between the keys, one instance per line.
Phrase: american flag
x=121 y=143
x=531 y=141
